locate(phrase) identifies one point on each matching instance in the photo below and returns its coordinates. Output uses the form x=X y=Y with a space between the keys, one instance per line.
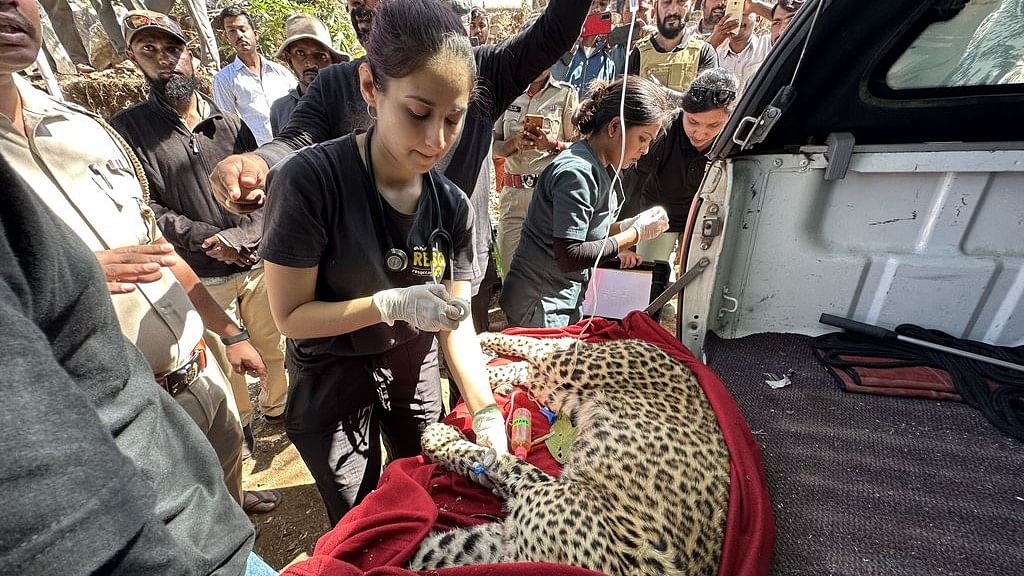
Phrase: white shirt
x=236 y=89
x=746 y=63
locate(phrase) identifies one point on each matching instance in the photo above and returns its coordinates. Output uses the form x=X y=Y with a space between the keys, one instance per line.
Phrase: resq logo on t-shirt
x=422 y=265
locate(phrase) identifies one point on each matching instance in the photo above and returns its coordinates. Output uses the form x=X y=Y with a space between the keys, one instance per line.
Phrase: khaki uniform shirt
x=81 y=173
x=557 y=102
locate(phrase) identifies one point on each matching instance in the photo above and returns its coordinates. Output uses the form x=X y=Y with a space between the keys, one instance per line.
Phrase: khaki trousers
x=208 y=401
x=513 y=204
x=244 y=297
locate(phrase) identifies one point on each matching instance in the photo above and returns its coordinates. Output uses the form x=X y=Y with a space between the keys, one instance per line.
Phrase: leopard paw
x=437 y=438
x=504 y=377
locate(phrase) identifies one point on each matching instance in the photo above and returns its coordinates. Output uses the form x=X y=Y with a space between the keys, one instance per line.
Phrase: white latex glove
x=425 y=307
x=489 y=427
x=650 y=223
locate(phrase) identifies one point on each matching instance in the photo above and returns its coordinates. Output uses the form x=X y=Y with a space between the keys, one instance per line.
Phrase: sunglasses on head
x=714 y=96
x=136 y=21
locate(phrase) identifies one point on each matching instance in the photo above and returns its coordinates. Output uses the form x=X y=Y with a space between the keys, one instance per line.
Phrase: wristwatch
x=229 y=340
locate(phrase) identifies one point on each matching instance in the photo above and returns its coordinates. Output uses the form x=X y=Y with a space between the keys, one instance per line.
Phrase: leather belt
x=178 y=380
x=520 y=180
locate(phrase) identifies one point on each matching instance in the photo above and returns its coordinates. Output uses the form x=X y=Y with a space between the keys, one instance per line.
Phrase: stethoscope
x=396 y=260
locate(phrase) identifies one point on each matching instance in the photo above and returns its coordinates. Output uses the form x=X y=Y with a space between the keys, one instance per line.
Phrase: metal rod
x=886 y=334
x=958 y=352
x=677 y=286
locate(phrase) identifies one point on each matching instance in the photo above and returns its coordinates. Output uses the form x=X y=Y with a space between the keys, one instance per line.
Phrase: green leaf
x=563 y=433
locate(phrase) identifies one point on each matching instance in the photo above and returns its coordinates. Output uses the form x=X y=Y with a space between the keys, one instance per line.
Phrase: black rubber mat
x=870 y=485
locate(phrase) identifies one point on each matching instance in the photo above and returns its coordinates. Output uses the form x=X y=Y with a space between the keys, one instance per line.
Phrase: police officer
x=86 y=176
x=674 y=55
x=528 y=148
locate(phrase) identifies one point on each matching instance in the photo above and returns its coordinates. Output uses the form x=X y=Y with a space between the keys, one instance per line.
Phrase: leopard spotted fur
x=645 y=490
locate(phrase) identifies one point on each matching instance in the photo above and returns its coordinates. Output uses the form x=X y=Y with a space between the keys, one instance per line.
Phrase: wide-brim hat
x=136 y=21
x=460 y=7
x=306 y=27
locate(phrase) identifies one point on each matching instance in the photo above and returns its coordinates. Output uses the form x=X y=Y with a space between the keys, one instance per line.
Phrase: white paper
x=776 y=382
x=615 y=293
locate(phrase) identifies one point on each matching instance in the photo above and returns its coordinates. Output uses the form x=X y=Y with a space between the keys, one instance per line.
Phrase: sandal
x=260 y=501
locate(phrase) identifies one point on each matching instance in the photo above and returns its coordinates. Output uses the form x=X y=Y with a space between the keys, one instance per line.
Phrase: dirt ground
x=289 y=533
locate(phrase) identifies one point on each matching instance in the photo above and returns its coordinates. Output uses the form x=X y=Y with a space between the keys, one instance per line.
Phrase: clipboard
x=614 y=293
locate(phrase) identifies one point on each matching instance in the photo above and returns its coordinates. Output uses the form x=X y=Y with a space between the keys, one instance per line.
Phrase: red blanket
x=414 y=497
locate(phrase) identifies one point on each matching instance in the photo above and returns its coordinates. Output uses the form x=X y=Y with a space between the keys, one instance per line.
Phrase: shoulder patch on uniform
x=515 y=108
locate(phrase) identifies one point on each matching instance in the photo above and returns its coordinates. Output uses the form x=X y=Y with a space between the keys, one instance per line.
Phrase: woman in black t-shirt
x=671 y=174
x=357 y=243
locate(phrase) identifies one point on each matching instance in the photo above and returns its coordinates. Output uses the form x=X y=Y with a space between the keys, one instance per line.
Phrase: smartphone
x=597 y=24
x=734 y=8
x=533 y=121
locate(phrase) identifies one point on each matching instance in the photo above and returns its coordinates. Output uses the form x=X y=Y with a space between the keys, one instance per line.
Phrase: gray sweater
x=102 y=471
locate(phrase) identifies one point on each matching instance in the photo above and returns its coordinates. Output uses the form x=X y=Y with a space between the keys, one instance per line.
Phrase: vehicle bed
x=864 y=485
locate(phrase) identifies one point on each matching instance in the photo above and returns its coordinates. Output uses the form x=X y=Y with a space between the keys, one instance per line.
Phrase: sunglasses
x=136 y=21
x=713 y=96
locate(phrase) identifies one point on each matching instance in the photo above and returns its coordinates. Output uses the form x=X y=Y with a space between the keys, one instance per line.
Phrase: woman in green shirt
x=570 y=225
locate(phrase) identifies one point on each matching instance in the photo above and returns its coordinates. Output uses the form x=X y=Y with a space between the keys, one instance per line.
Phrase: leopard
x=645 y=487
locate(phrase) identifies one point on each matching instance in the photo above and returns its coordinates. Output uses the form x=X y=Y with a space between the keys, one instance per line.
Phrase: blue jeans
x=257 y=567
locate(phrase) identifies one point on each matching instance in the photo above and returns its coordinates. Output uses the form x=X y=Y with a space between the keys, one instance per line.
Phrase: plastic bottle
x=522 y=434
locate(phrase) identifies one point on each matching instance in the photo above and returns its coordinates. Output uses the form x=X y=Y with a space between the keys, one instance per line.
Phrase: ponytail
x=645 y=103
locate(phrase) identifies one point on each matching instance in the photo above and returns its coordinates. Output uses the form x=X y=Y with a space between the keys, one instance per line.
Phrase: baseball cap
x=136 y=20
x=304 y=26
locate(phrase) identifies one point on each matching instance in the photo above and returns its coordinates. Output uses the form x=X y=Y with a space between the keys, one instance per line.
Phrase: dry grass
x=112 y=90
x=506 y=23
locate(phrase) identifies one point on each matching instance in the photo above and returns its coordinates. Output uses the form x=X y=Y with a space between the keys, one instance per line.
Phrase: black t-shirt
x=667 y=176
x=330 y=216
x=333 y=105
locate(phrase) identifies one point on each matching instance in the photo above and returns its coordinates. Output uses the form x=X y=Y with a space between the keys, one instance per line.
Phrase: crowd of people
x=319 y=225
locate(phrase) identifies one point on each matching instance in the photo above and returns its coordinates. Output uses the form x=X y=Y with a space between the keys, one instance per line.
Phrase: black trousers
x=482 y=300
x=338 y=413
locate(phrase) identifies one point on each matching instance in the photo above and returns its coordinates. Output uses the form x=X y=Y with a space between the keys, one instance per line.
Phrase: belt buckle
x=179 y=380
x=529 y=180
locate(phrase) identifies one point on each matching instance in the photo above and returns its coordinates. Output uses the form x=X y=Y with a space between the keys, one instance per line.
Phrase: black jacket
x=669 y=175
x=178 y=162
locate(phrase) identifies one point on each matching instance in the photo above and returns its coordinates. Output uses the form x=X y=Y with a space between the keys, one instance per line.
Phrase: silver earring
x=370 y=112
